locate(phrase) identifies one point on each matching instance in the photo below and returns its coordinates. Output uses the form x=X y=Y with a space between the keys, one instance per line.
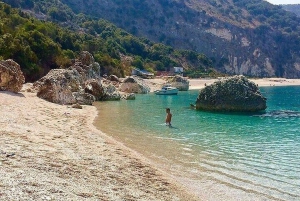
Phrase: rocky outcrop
x=77 y=84
x=134 y=85
x=231 y=94
x=111 y=93
x=81 y=83
x=11 y=76
x=127 y=96
x=58 y=86
x=95 y=88
x=113 y=78
x=83 y=98
x=181 y=83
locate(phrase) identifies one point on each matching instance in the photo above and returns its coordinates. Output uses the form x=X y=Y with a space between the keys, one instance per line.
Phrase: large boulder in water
x=134 y=85
x=11 y=76
x=181 y=83
x=231 y=94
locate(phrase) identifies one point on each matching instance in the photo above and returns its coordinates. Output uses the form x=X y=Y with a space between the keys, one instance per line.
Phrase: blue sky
x=284 y=1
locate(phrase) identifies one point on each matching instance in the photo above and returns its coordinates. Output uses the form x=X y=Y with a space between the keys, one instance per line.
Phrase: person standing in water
x=168 y=117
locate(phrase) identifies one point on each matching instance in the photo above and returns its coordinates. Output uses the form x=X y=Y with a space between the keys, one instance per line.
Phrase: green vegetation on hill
x=39 y=46
x=214 y=27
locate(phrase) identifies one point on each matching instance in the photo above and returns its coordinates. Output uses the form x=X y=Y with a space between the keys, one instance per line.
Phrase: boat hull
x=166 y=92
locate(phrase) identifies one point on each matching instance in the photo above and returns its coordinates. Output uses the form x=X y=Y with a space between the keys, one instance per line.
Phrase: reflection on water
x=231 y=156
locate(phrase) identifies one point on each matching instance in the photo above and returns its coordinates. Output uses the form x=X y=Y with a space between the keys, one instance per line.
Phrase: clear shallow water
x=218 y=156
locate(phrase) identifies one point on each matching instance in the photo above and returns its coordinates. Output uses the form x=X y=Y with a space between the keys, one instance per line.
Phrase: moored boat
x=167 y=90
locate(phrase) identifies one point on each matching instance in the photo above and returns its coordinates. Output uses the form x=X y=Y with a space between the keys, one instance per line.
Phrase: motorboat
x=167 y=90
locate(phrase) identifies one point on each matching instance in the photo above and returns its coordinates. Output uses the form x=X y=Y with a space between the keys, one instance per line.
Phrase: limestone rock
x=128 y=96
x=111 y=93
x=58 y=85
x=83 y=98
x=77 y=106
x=232 y=94
x=181 y=83
x=134 y=85
x=86 y=58
x=113 y=78
x=68 y=86
x=11 y=76
x=95 y=88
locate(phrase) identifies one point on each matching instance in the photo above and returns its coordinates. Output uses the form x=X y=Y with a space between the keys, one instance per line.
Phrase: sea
x=217 y=156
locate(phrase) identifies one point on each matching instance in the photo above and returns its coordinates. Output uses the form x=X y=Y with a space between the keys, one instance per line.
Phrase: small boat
x=167 y=90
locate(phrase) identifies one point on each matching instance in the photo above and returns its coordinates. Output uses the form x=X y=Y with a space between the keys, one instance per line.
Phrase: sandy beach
x=200 y=83
x=54 y=152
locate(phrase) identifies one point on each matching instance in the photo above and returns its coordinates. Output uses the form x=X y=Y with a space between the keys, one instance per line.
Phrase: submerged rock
x=11 y=76
x=231 y=94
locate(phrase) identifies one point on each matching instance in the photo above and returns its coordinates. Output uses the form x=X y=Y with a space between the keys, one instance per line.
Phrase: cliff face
x=237 y=42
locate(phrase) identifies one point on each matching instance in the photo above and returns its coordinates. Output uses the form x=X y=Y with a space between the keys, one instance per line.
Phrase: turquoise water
x=218 y=156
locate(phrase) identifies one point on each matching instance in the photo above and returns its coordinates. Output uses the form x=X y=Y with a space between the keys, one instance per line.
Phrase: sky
x=284 y=1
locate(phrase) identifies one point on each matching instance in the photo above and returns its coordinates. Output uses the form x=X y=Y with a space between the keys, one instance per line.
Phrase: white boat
x=167 y=90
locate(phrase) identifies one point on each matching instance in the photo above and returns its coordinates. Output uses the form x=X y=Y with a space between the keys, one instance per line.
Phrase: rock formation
x=134 y=85
x=127 y=96
x=113 y=78
x=81 y=83
x=232 y=94
x=95 y=88
x=67 y=86
x=111 y=93
x=181 y=83
x=11 y=76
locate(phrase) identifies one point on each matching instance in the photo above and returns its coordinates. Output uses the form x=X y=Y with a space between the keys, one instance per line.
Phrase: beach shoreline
x=54 y=152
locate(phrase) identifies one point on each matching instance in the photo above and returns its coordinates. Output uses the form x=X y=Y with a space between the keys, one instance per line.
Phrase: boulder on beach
x=181 y=83
x=11 y=76
x=236 y=94
x=111 y=93
x=134 y=85
x=95 y=88
x=58 y=86
x=77 y=84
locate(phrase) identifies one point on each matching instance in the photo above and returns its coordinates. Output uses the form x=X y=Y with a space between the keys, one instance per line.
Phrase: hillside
x=242 y=37
x=294 y=8
x=39 y=46
x=250 y=37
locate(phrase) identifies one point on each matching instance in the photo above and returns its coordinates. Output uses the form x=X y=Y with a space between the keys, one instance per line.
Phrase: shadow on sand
x=12 y=94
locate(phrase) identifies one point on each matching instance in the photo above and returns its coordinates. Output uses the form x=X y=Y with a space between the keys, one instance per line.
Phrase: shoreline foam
x=51 y=151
